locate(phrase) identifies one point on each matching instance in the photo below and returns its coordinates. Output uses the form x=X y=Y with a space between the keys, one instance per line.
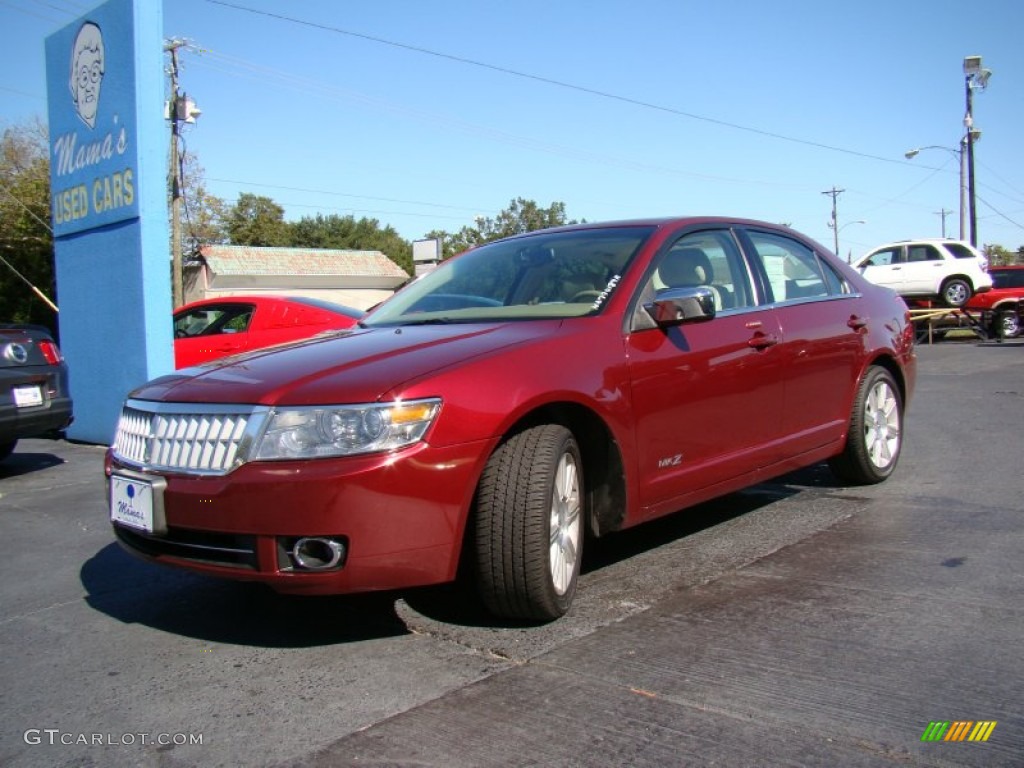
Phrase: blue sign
x=93 y=139
x=108 y=164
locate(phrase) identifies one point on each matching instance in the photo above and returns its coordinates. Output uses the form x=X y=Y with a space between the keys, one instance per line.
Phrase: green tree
x=26 y=240
x=521 y=216
x=256 y=220
x=998 y=256
x=347 y=233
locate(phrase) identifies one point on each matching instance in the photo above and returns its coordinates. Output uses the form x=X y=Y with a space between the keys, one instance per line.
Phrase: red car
x=212 y=328
x=532 y=391
x=1005 y=301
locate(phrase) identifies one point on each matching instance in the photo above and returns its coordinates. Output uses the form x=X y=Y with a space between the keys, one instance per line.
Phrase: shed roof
x=251 y=260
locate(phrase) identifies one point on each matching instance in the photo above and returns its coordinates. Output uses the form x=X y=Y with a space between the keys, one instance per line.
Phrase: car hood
x=354 y=366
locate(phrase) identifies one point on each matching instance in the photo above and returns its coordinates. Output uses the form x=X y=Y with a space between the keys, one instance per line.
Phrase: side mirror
x=676 y=306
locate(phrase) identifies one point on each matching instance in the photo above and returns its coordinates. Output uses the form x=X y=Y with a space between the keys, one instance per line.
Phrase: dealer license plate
x=28 y=395
x=131 y=502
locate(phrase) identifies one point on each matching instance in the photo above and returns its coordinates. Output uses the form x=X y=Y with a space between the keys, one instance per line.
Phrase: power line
x=554 y=82
x=28 y=210
x=340 y=194
x=1000 y=214
x=306 y=85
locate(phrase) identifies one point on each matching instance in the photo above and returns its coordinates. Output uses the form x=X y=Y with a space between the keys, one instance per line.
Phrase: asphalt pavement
x=798 y=623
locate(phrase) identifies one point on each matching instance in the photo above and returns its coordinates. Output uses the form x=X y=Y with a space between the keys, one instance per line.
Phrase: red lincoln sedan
x=523 y=396
x=211 y=328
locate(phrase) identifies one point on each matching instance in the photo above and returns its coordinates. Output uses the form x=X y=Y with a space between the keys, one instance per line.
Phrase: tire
x=1007 y=324
x=6 y=449
x=529 y=525
x=875 y=436
x=956 y=292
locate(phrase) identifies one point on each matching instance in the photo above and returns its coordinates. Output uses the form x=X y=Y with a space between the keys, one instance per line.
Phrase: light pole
x=962 y=159
x=975 y=78
x=858 y=221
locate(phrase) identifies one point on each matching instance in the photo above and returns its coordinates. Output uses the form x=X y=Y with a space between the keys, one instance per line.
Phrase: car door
x=885 y=267
x=211 y=331
x=823 y=331
x=706 y=395
x=924 y=269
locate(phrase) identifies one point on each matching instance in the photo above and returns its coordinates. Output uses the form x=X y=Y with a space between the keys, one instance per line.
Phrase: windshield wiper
x=430 y=321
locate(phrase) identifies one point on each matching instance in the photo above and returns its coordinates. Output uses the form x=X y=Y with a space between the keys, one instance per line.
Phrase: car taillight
x=51 y=352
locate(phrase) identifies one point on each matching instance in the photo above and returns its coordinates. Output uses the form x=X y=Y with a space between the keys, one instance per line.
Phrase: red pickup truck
x=1004 y=301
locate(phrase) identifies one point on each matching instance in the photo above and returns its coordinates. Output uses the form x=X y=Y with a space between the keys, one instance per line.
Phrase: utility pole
x=943 y=213
x=174 y=178
x=969 y=125
x=834 y=223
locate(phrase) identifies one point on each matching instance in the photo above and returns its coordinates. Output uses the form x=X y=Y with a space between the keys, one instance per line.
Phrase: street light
x=975 y=78
x=858 y=221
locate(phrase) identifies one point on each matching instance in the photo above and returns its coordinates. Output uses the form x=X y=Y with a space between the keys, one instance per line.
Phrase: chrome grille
x=186 y=437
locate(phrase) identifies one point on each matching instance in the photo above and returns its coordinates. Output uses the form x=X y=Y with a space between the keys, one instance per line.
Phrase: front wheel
x=529 y=524
x=875 y=435
x=956 y=292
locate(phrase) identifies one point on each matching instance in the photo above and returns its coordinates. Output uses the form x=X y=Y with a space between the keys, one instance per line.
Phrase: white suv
x=949 y=270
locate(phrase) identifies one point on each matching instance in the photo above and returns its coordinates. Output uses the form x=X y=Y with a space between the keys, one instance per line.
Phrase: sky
x=427 y=115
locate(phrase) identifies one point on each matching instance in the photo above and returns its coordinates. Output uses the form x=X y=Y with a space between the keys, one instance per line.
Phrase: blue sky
x=424 y=115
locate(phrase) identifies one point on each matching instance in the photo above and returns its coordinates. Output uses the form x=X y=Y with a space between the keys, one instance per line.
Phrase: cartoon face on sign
x=87 y=72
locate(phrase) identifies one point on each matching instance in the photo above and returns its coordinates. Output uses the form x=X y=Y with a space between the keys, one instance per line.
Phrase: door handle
x=762 y=341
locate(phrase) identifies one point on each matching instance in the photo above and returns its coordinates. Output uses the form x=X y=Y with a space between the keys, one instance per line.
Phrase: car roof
x=330 y=306
x=940 y=240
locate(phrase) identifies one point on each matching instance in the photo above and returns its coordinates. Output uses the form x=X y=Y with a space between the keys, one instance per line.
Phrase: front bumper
x=401 y=517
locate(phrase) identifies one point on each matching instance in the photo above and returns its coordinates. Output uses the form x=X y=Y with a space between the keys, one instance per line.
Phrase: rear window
x=961 y=251
x=1008 y=278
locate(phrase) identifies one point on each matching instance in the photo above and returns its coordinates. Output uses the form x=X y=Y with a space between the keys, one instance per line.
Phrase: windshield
x=541 y=276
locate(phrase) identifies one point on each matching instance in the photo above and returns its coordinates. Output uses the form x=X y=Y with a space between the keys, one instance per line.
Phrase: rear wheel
x=1007 y=324
x=956 y=292
x=876 y=431
x=529 y=524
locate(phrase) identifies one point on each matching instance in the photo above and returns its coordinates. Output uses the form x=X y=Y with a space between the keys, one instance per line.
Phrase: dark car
x=210 y=328
x=530 y=392
x=34 y=397
x=1005 y=302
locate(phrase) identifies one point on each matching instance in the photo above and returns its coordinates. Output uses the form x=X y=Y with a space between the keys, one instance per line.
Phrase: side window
x=961 y=251
x=237 y=323
x=883 y=258
x=709 y=259
x=212 y=321
x=793 y=270
x=1008 y=278
x=836 y=283
x=918 y=253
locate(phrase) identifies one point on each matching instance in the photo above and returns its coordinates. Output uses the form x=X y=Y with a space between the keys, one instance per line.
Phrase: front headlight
x=344 y=430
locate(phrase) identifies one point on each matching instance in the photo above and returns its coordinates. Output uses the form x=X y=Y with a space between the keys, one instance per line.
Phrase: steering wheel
x=180 y=333
x=584 y=297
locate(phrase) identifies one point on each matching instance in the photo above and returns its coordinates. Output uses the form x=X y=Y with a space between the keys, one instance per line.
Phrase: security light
x=972 y=65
